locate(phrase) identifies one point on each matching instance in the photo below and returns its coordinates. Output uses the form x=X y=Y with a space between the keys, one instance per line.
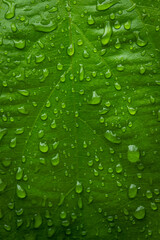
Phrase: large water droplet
x=21 y=193
x=2 y=185
x=37 y=220
x=55 y=160
x=11 y=9
x=105 y=4
x=96 y=99
x=107 y=33
x=132 y=191
x=112 y=137
x=70 y=50
x=3 y=132
x=140 y=212
x=43 y=147
x=51 y=26
x=133 y=153
x=20 y=44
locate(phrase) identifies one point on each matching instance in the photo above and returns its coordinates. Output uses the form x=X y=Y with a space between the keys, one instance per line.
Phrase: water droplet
x=140 y=42
x=43 y=147
x=23 y=110
x=132 y=110
x=96 y=99
x=140 y=212
x=19 y=173
x=70 y=50
x=105 y=4
x=127 y=25
x=79 y=187
x=107 y=33
x=108 y=74
x=90 y=20
x=40 y=58
x=20 y=44
x=132 y=191
x=2 y=185
x=85 y=54
x=21 y=193
x=13 y=143
x=149 y=194
x=112 y=137
x=120 y=67
x=133 y=153
x=117 y=86
x=37 y=220
x=3 y=132
x=81 y=72
x=63 y=215
x=24 y=92
x=55 y=160
x=51 y=26
x=13 y=27
x=158 y=117
x=80 y=203
x=11 y=9
x=119 y=168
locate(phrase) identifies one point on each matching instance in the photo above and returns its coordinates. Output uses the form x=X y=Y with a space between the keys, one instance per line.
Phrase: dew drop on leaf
x=96 y=99
x=132 y=191
x=107 y=33
x=21 y=193
x=140 y=212
x=133 y=153
x=112 y=137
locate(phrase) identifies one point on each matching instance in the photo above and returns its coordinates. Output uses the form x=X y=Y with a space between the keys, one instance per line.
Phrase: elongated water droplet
x=19 y=173
x=79 y=187
x=70 y=50
x=37 y=220
x=81 y=72
x=127 y=25
x=105 y=4
x=24 y=92
x=96 y=99
x=21 y=193
x=2 y=185
x=140 y=42
x=140 y=212
x=3 y=132
x=55 y=160
x=107 y=33
x=132 y=191
x=11 y=9
x=133 y=153
x=112 y=137
x=51 y=26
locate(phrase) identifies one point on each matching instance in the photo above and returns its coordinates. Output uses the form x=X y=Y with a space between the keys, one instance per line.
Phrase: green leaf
x=80 y=119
